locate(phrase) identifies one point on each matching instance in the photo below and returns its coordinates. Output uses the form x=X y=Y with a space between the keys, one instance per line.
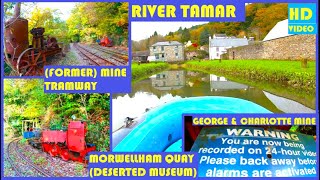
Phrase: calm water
x=174 y=84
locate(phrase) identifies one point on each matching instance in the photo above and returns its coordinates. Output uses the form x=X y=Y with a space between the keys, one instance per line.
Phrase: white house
x=278 y=31
x=219 y=44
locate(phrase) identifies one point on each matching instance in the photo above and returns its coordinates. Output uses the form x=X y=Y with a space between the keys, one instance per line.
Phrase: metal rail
x=93 y=57
x=17 y=171
x=117 y=56
x=37 y=168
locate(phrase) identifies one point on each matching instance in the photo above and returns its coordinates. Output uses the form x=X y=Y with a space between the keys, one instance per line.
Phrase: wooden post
x=304 y=63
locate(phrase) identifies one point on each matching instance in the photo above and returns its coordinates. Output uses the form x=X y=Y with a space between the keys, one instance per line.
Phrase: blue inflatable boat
x=160 y=129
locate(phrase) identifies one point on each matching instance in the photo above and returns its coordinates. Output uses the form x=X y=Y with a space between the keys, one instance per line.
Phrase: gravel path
x=71 y=58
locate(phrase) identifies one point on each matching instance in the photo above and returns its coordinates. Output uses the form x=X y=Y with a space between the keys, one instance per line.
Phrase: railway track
x=124 y=53
x=13 y=147
x=91 y=57
x=51 y=159
x=96 y=58
x=121 y=57
x=10 y=160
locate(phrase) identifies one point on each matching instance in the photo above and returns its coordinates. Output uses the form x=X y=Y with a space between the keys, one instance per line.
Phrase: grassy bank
x=287 y=73
x=146 y=69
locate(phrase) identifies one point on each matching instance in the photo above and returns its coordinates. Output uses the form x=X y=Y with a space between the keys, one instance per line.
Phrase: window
x=176 y=49
x=177 y=55
x=217 y=54
x=217 y=49
x=157 y=56
x=162 y=55
x=162 y=48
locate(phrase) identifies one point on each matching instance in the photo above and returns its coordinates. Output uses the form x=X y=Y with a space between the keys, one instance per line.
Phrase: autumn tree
x=204 y=37
x=93 y=20
x=50 y=20
x=185 y=36
x=260 y=19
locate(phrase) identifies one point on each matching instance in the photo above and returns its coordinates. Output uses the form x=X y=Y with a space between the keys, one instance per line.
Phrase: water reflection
x=222 y=84
x=168 y=80
x=173 y=84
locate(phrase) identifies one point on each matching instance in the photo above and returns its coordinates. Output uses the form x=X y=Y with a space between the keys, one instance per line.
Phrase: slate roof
x=167 y=43
x=278 y=31
x=228 y=42
x=140 y=53
x=220 y=35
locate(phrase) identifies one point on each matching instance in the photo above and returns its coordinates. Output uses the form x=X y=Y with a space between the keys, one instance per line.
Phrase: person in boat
x=128 y=121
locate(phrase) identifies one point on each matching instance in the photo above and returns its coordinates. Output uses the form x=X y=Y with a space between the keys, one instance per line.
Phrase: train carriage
x=68 y=144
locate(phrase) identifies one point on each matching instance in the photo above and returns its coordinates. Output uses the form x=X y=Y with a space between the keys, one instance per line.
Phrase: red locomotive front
x=70 y=144
x=106 y=42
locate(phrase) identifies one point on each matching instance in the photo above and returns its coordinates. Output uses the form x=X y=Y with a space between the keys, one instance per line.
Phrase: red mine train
x=25 y=59
x=105 y=41
x=69 y=145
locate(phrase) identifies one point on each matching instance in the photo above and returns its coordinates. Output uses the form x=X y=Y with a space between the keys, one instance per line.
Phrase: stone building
x=169 y=51
x=141 y=56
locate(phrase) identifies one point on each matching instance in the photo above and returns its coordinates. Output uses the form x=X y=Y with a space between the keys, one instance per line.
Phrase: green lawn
x=146 y=69
x=285 y=72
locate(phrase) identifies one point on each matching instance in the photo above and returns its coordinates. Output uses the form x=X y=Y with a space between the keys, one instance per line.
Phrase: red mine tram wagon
x=106 y=42
x=70 y=144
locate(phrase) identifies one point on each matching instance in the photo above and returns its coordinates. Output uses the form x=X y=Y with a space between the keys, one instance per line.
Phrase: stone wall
x=295 y=47
x=170 y=53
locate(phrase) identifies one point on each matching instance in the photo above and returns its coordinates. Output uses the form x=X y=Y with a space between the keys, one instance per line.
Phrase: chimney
x=17 y=9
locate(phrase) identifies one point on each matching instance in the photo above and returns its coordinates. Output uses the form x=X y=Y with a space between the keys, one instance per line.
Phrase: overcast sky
x=64 y=7
x=143 y=30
